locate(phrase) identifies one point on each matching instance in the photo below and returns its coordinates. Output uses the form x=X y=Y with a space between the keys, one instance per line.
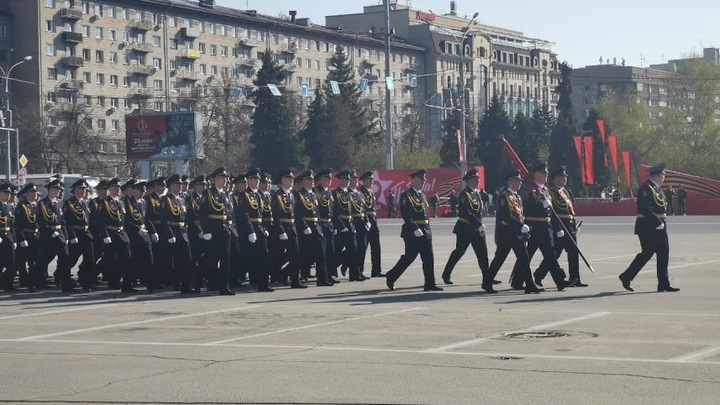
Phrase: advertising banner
x=164 y=136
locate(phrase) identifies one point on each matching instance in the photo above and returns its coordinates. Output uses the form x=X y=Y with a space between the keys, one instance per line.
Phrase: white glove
x=418 y=233
x=547 y=204
x=1 y=239
x=368 y=225
x=207 y=236
x=560 y=234
x=661 y=227
x=283 y=236
x=201 y=235
x=172 y=240
x=252 y=238
x=307 y=231
x=525 y=229
x=107 y=240
x=267 y=234
x=334 y=231
x=344 y=230
x=24 y=243
x=73 y=241
x=143 y=232
x=54 y=235
x=14 y=246
x=154 y=237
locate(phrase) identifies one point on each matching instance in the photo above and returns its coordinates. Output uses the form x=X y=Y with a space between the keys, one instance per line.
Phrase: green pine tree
x=494 y=125
x=602 y=172
x=562 y=149
x=326 y=145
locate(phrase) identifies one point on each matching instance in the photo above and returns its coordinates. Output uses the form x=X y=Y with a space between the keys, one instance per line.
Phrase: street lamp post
x=6 y=79
x=388 y=114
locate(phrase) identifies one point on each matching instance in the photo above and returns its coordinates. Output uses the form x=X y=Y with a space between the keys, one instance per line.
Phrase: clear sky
x=641 y=31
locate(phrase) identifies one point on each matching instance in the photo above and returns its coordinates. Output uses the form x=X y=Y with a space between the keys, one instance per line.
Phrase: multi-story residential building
x=520 y=70
x=96 y=61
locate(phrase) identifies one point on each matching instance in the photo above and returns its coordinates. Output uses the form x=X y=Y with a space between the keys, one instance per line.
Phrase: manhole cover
x=547 y=334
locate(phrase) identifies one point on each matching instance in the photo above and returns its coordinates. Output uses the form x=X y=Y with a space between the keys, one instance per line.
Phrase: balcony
x=73 y=61
x=250 y=62
x=190 y=32
x=289 y=48
x=141 y=70
x=72 y=37
x=186 y=75
x=189 y=53
x=367 y=62
x=140 y=25
x=291 y=67
x=371 y=77
x=411 y=67
x=143 y=92
x=72 y=85
x=250 y=42
x=138 y=47
x=71 y=14
x=189 y=93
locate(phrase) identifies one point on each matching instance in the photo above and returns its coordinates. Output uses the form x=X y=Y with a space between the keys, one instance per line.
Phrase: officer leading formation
x=222 y=232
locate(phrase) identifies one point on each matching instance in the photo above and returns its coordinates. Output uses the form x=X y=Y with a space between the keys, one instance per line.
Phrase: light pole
x=388 y=113
x=6 y=79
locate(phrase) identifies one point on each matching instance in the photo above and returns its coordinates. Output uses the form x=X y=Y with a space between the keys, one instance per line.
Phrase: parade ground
x=359 y=343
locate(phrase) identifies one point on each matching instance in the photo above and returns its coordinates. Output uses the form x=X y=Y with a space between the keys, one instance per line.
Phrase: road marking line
x=697 y=355
x=530 y=329
x=60 y=311
x=677 y=267
x=118 y=325
x=277 y=332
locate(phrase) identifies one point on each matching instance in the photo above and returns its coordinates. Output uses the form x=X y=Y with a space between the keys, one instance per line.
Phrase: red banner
x=601 y=127
x=612 y=143
x=578 y=148
x=460 y=148
x=589 y=169
x=628 y=170
x=510 y=154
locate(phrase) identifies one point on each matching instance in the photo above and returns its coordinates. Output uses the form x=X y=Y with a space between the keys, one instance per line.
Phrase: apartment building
x=97 y=61
x=522 y=71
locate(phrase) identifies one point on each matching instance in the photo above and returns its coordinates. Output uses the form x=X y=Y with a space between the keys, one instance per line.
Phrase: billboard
x=164 y=136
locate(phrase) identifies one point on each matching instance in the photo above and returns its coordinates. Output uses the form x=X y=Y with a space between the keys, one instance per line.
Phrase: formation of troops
x=224 y=232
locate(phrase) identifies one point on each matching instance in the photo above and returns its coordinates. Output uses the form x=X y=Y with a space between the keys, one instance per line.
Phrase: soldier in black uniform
x=252 y=232
x=96 y=228
x=153 y=216
x=537 y=207
x=372 y=234
x=77 y=222
x=27 y=231
x=215 y=209
x=240 y=269
x=669 y=194
x=192 y=217
x=53 y=239
x=7 y=239
x=309 y=230
x=361 y=225
x=415 y=233
x=345 y=242
x=139 y=232
x=682 y=200
x=117 y=243
x=325 y=208
x=511 y=233
x=174 y=231
x=651 y=229
x=283 y=208
x=469 y=228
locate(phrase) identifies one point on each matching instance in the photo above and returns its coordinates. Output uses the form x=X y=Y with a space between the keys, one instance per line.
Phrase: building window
x=102 y=145
x=100 y=78
x=113 y=80
x=87 y=77
x=101 y=101
x=213 y=50
x=225 y=72
x=49 y=25
x=203 y=69
x=171 y=21
x=156 y=40
x=126 y=36
x=112 y=57
x=223 y=30
x=50 y=3
x=173 y=43
x=52 y=73
x=115 y=125
x=86 y=31
x=157 y=84
x=98 y=32
x=201 y=47
x=173 y=65
x=157 y=62
x=158 y=105
x=99 y=56
x=126 y=103
x=223 y=51
x=50 y=49
x=213 y=70
x=126 y=81
x=98 y=10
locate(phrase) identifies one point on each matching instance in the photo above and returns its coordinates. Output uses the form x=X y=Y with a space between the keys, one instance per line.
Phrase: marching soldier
x=283 y=208
x=469 y=227
x=174 y=231
x=309 y=230
x=511 y=233
x=153 y=217
x=96 y=227
x=325 y=208
x=345 y=242
x=239 y=268
x=362 y=226
x=7 y=239
x=215 y=210
x=77 y=221
x=682 y=199
x=117 y=243
x=185 y=189
x=373 y=233
x=195 y=231
x=53 y=239
x=27 y=237
x=651 y=229
x=139 y=234
x=415 y=233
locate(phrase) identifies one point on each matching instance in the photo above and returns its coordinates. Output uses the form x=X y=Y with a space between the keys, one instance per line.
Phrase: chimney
x=293 y=13
x=615 y=61
x=453 y=8
x=207 y=3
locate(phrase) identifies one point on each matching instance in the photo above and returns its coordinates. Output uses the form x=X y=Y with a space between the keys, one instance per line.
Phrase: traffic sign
x=23 y=160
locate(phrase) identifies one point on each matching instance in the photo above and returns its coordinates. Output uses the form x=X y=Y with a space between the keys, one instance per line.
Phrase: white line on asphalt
x=60 y=311
x=277 y=332
x=697 y=355
x=532 y=328
x=677 y=267
x=118 y=325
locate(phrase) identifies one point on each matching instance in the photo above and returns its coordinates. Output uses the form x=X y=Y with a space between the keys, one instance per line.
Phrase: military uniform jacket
x=342 y=211
x=283 y=209
x=77 y=218
x=249 y=213
x=306 y=211
x=563 y=206
x=651 y=208
x=470 y=207
x=173 y=222
x=135 y=219
x=50 y=219
x=26 y=221
x=509 y=216
x=7 y=222
x=192 y=216
x=112 y=219
x=325 y=206
x=368 y=202
x=535 y=213
x=358 y=208
x=153 y=212
x=215 y=209
x=266 y=199
x=413 y=207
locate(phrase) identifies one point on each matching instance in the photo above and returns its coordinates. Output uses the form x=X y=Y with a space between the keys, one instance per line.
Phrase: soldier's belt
x=256 y=220
x=287 y=220
x=220 y=217
x=464 y=221
x=56 y=227
x=325 y=220
x=156 y=222
x=142 y=226
x=81 y=228
x=564 y=216
x=5 y=229
x=358 y=215
x=537 y=219
x=347 y=217
x=661 y=216
x=310 y=219
x=422 y=222
x=370 y=213
x=114 y=228
x=180 y=224
x=28 y=230
x=268 y=220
